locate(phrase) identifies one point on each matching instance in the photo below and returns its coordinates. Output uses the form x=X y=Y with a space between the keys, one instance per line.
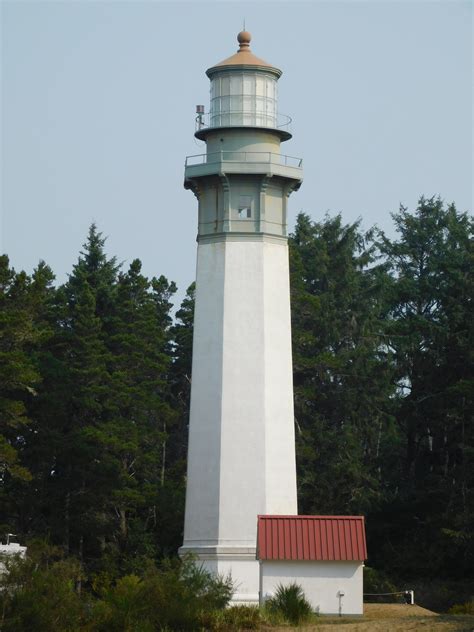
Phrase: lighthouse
x=241 y=456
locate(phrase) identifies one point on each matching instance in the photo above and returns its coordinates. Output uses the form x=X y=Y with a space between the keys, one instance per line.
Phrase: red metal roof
x=311 y=538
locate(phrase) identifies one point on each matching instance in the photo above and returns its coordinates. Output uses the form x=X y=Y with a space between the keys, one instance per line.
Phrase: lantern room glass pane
x=260 y=86
x=236 y=104
x=261 y=120
x=225 y=86
x=248 y=104
x=260 y=102
x=225 y=104
x=236 y=84
x=249 y=84
x=270 y=89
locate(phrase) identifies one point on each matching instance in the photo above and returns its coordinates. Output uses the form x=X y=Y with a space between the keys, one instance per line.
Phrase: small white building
x=323 y=554
x=9 y=550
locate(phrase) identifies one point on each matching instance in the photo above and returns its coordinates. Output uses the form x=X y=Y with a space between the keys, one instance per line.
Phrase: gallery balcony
x=243 y=162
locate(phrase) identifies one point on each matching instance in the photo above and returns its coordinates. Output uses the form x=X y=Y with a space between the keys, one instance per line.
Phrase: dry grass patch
x=392 y=618
x=395 y=610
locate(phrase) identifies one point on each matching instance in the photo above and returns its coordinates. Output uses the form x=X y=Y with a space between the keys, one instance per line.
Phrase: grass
x=391 y=618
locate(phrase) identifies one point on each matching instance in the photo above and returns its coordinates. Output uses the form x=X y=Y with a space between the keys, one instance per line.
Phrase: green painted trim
x=259 y=169
x=201 y=134
x=214 y=70
x=239 y=236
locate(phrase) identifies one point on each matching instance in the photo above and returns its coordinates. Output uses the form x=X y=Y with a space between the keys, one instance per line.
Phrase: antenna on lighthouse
x=199 y=117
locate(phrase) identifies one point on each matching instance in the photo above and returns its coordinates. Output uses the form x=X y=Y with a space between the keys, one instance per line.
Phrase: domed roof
x=243 y=57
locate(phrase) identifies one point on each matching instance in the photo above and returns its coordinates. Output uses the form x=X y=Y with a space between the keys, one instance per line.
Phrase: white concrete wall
x=253 y=139
x=243 y=450
x=10 y=550
x=201 y=527
x=321 y=583
x=280 y=462
x=13 y=549
x=244 y=573
x=241 y=459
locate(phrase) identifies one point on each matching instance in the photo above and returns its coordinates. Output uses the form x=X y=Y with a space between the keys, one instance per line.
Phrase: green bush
x=233 y=618
x=376 y=581
x=290 y=601
x=241 y=618
x=177 y=596
x=463 y=608
x=123 y=607
x=40 y=593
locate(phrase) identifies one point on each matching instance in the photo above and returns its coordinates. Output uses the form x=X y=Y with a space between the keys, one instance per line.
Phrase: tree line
x=95 y=379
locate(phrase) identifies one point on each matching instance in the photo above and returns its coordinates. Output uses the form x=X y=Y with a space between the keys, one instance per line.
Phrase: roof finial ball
x=244 y=38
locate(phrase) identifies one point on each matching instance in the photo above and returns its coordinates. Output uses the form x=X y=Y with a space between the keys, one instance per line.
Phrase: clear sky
x=98 y=101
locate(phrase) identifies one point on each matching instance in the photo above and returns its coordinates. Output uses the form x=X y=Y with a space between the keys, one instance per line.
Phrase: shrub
x=233 y=618
x=177 y=596
x=376 y=581
x=463 y=608
x=242 y=618
x=290 y=601
x=39 y=593
x=210 y=590
x=123 y=607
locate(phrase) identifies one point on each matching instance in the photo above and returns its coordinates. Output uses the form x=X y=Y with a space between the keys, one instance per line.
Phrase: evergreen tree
x=65 y=503
x=24 y=303
x=181 y=369
x=135 y=432
x=430 y=331
x=341 y=367
x=89 y=383
x=18 y=375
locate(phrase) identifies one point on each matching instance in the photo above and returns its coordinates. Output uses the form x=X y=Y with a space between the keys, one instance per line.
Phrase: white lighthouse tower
x=241 y=460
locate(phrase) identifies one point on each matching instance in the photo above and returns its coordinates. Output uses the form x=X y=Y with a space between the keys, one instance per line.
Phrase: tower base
x=238 y=562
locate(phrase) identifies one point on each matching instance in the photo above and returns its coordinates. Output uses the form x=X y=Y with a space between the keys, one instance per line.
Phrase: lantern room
x=243 y=93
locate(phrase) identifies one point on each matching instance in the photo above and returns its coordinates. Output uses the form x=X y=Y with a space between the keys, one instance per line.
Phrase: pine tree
x=69 y=487
x=181 y=369
x=430 y=331
x=24 y=328
x=134 y=435
x=18 y=375
x=341 y=369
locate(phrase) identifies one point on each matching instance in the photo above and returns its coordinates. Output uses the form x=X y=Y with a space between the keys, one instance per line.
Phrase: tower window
x=245 y=212
x=245 y=207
